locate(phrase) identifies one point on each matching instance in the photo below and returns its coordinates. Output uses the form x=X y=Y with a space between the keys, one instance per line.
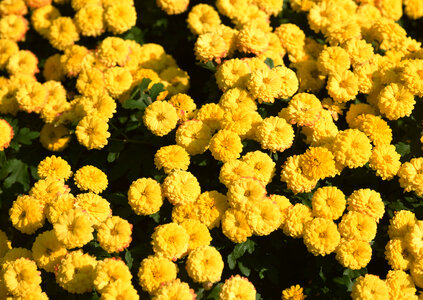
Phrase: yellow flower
x=342 y=87
x=401 y=223
x=54 y=167
x=410 y=177
x=264 y=217
x=73 y=59
x=210 y=207
x=205 y=265
x=27 y=214
x=114 y=234
x=90 y=81
x=225 y=145
x=309 y=77
x=232 y=73
x=21 y=276
x=160 y=118
x=173 y=7
x=14 y=254
x=333 y=60
x=7 y=49
x=145 y=196
x=13 y=27
x=294 y=292
x=353 y=254
x=89 y=20
x=385 y=161
x=120 y=17
x=8 y=103
x=237 y=287
x=171 y=158
x=32 y=97
x=96 y=207
x=262 y=165
x=118 y=80
x=328 y=202
x=292 y=39
x=48 y=251
x=202 y=18
x=376 y=129
x=91 y=178
x=298 y=215
x=110 y=271
x=194 y=136
x=210 y=46
x=289 y=82
x=23 y=61
x=235 y=226
x=154 y=271
x=245 y=193
x=175 y=80
x=318 y=163
x=42 y=18
x=92 y=132
x=396 y=101
x=62 y=33
x=321 y=236
x=414 y=239
x=416 y=271
x=265 y=85
x=400 y=285
x=304 y=109
x=184 y=105
x=352 y=148
x=5 y=244
x=76 y=272
x=369 y=287
x=61 y=204
x=6 y=134
x=102 y=105
x=357 y=226
x=170 y=240
x=275 y=134
x=294 y=176
x=397 y=254
x=198 y=233
x=356 y=110
x=121 y=289
x=54 y=138
x=73 y=228
x=181 y=187
x=113 y=51
x=174 y=289
x=367 y=201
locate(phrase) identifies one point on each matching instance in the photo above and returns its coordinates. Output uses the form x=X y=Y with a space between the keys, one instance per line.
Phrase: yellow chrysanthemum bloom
x=410 y=175
x=120 y=289
x=237 y=287
x=170 y=240
x=174 y=289
x=181 y=187
x=13 y=7
x=232 y=73
x=298 y=215
x=342 y=87
x=5 y=244
x=294 y=292
x=210 y=46
x=13 y=27
x=275 y=134
x=90 y=178
x=27 y=214
x=235 y=226
x=42 y=18
x=321 y=236
x=21 y=276
x=352 y=148
x=369 y=287
x=73 y=228
x=333 y=60
x=252 y=39
x=22 y=62
x=175 y=80
x=6 y=134
x=225 y=145
x=304 y=109
x=120 y=17
x=356 y=110
x=184 y=105
x=118 y=80
x=62 y=33
x=109 y=271
x=14 y=254
x=74 y=59
x=328 y=202
x=202 y=18
x=353 y=254
x=265 y=85
x=171 y=158
x=7 y=49
x=194 y=136
x=145 y=196
x=401 y=223
x=318 y=163
x=89 y=20
x=367 y=201
x=416 y=272
x=397 y=255
x=92 y=132
x=32 y=97
x=154 y=271
x=264 y=217
x=76 y=272
x=205 y=265
x=294 y=176
x=160 y=117
x=48 y=251
x=395 y=101
x=261 y=164
x=237 y=98
x=292 y=39
x=114 y=234
x=90 y=81
x=173 y=7
x=97 y=208
x=400 y=285
x=212 y=115
x=357 y=226
x=245 y=193
x=385 y=161
x=414 y=239
x=198 y=233
x=61 y=204
x=376 y=129
x=53 y=69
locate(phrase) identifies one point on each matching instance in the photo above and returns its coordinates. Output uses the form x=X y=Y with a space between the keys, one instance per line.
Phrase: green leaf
x=95 y=296
x=155 y=90
x=25 y=136
x=111 y=157
x=128 y=259
x=155 y=217
x=244 y=270
x=403 y=148
x=208 y=65
x=15 y=171
x=214 y=294
x=269 y=62
x=135 y=34
x=231 y=261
